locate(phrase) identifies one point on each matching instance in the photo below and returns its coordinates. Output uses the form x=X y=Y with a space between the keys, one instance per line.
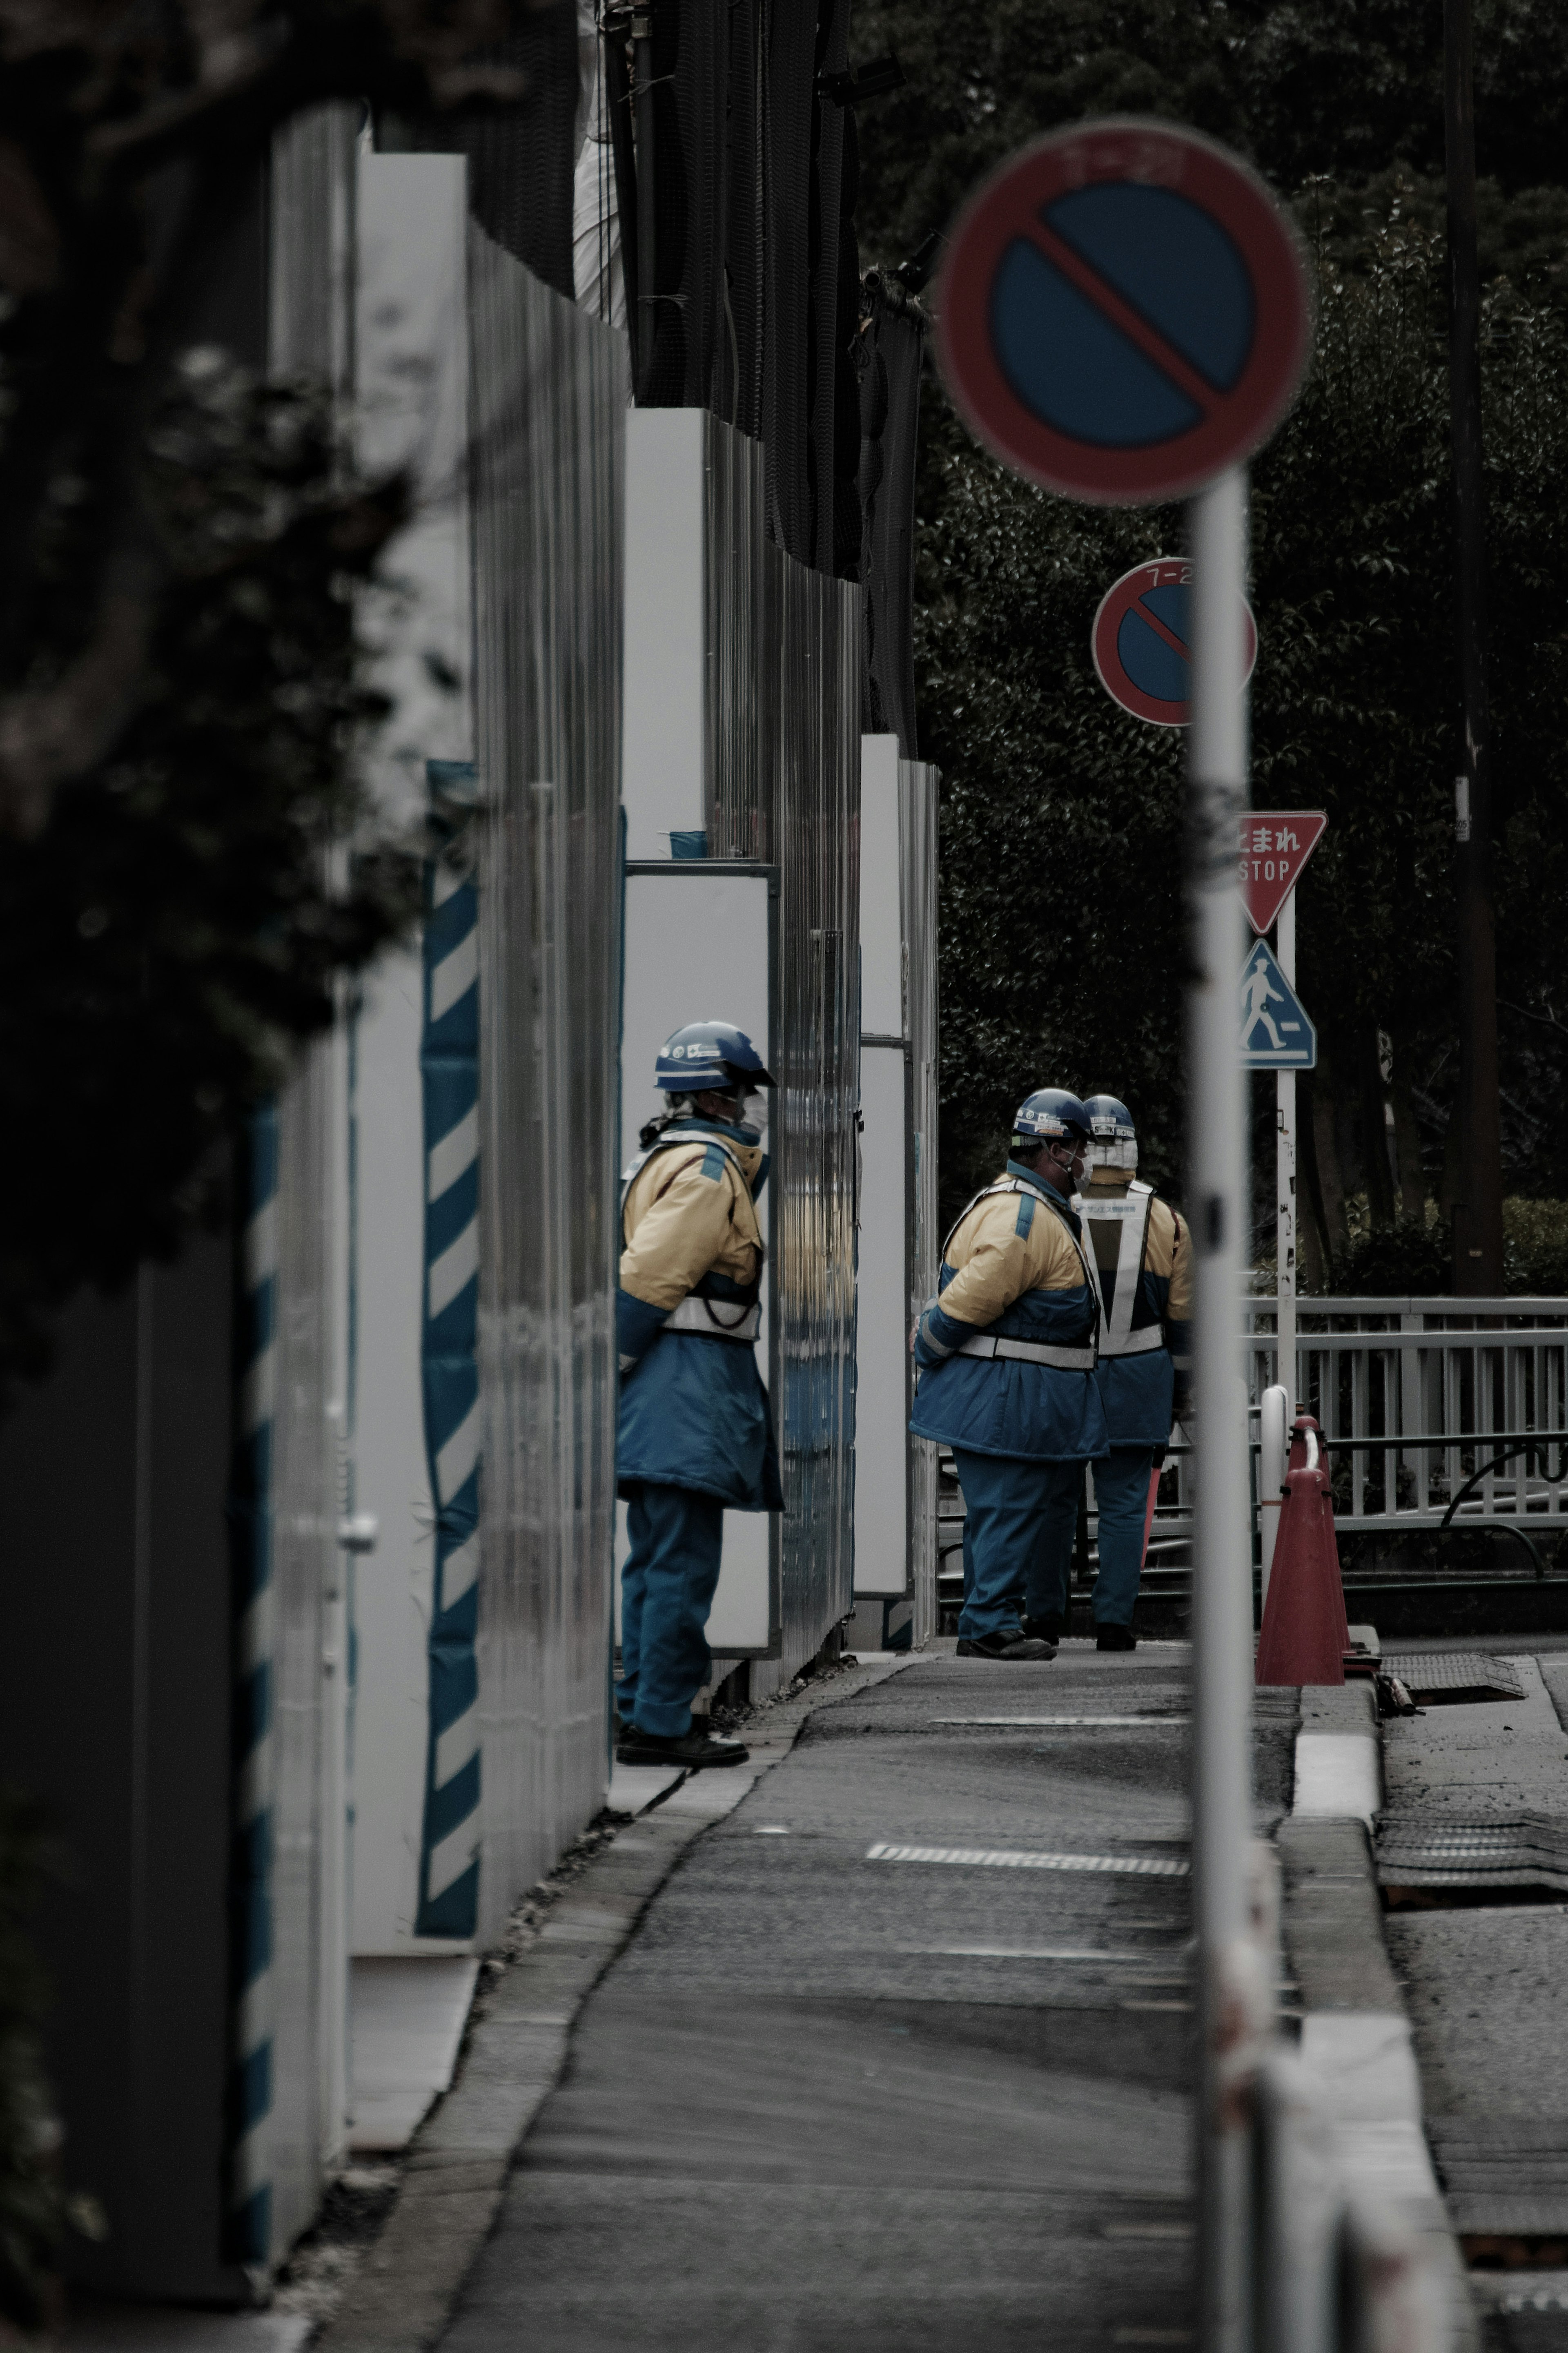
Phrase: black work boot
x=1011 y=1644
x=1115 y=1637
x=1046 y=1630
x=694 y=1749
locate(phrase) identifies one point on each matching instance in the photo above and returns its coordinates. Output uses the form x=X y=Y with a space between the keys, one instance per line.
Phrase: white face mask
x=1122 y=1156
x=754 y=1114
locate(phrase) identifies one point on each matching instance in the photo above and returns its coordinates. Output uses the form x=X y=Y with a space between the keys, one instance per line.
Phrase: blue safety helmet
x=1109 y=1122
x=1048 y=1112
x=709 y=1055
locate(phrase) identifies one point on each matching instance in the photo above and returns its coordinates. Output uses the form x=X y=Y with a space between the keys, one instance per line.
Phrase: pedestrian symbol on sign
x=1275 y=1034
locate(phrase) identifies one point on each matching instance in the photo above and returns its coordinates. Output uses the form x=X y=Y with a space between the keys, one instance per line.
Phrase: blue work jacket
x=1005 y=1405
x=694 y=1410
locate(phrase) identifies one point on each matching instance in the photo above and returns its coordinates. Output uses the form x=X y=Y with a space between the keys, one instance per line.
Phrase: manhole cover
x=1452 y=1678
x=1513 y=1851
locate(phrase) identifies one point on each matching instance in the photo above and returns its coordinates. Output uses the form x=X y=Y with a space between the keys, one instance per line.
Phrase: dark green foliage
x=1334 y=87
x=33 y=2211
x=1403 y=1261
x=1055 y=973
x=1062 y=940
x=182 y=918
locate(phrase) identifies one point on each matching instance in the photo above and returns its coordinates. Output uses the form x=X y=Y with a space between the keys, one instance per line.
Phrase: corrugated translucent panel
x=919 y=785
x=548 y=393
x=782 y=753
x=310 y=337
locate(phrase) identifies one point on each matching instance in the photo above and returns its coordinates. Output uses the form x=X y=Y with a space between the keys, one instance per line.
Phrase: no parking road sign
x=1140 y=636
x=1275 y=845
x=1275 y=1034
x=1123 y=312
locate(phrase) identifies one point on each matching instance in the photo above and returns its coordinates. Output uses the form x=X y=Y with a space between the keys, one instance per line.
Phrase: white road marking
x=1013 y=1858
x=1042 y=1953
x=1070 y=1722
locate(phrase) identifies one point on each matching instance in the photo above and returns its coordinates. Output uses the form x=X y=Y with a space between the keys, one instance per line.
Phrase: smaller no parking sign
x=1141 y=637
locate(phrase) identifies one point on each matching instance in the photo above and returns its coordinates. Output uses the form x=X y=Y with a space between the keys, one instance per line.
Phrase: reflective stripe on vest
x=1029 y=1352
x=692 y=1315
x=711 y=1318
x=1131 y=1218
x=1072 y=1360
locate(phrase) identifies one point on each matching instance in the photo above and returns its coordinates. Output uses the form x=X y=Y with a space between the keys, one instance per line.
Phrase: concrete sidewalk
x=863 y=2078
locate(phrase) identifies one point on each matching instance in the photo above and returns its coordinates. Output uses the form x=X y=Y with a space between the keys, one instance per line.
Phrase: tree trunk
x=1308 y=1244
x=1407 y=1135
x=1313 y=1226
x=1325 y=1145
x=1375 y=1134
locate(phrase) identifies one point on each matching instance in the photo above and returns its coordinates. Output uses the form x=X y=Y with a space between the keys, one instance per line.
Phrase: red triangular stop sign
x=1275 y=845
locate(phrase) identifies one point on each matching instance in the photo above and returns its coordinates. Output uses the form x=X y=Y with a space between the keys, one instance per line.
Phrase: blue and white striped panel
x=250 y=1520
x=449 y=1070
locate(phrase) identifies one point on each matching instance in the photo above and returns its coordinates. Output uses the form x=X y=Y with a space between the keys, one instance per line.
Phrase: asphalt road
x=828 y=2100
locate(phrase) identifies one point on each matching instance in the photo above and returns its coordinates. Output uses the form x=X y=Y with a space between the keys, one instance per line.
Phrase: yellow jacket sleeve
x=678 y=1230
x=997 y=1264
x=1180 y=1307
x=997 y=1270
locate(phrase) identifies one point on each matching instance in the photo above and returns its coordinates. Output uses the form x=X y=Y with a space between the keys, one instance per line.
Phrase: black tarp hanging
x=891 y=343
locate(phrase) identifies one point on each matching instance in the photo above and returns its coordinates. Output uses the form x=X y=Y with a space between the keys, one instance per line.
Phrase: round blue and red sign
x=1124 y=313
x=1141 y=637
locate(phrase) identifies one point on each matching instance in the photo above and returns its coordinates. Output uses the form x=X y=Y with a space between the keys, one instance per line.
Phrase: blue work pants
x=1015 y=1513
x=1121 y=1495
x=1121 y=1500
x=666 y=1590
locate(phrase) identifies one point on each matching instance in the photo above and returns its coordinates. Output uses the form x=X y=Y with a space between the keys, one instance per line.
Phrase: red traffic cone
x=1305 y=1634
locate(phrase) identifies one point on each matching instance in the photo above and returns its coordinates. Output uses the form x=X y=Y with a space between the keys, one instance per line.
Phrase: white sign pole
x=1285 y=1181
x=1222 y=1547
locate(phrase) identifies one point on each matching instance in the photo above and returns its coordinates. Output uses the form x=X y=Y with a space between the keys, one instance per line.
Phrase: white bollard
x=1274 y=1454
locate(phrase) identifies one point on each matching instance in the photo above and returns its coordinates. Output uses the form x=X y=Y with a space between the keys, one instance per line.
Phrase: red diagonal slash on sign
x=1153 y=621
x=1122 y=316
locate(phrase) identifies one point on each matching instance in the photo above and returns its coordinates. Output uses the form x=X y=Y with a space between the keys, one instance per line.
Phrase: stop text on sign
x=1275 y=845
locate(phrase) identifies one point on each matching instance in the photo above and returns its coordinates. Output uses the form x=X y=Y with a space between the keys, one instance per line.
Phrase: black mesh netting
x=756 y=269
x=521 y=153
x=890 y=415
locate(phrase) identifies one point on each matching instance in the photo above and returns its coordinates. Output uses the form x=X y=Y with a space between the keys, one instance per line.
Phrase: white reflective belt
x=1142 y=1343
x=1029 y=1352
x=726 y=1321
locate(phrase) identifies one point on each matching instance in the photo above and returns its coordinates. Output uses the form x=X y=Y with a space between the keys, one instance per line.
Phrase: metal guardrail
x=1450 y=1413
x=1446 y=1409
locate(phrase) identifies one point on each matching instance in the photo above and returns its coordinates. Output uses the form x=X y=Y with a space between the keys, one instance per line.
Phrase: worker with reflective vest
x=1007 y=1353
x=695 y=1435
x=1142 y=1258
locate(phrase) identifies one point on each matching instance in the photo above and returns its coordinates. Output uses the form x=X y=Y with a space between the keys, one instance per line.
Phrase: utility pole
x=1478 y=1210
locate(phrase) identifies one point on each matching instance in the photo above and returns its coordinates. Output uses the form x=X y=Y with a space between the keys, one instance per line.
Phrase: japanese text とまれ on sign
x=1275 y=845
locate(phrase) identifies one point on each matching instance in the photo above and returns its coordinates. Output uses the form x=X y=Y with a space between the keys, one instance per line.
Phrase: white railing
x=1448 y=1411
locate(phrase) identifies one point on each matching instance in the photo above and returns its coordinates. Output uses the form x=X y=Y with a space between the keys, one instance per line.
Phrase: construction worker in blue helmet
x=694 y=1436
x=1140 y=1255
x=1006 y=1351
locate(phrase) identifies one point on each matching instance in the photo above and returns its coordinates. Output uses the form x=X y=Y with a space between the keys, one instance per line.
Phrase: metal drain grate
x=1452 y=1678
x=1510 y=1851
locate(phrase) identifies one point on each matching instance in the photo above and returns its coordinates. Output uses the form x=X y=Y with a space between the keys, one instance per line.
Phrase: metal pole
x=647 y=259
x=1477 y=1212
x=1285 y=1180
x=1221 y=1553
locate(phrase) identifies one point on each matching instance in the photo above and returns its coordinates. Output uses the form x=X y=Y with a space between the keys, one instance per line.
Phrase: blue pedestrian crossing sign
x=1275 y=1034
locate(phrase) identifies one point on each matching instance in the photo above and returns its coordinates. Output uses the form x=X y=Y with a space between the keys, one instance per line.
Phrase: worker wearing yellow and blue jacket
x=1006 y=1351
x=1142 y=1258
x=694 y=1436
